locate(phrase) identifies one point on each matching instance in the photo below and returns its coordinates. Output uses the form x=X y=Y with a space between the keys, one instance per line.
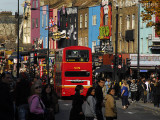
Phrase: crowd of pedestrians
x=106 y=92
x=25 y=99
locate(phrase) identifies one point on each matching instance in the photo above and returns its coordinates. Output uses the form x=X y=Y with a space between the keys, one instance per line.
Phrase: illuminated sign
x=103 y=32
x=77 y=68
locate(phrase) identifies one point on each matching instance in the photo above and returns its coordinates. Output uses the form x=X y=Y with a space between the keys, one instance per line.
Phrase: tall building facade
x=83 y=17
x=35 y=22
x=26 y=22
x=44 y=18
x=94 y=24
x=127 y=25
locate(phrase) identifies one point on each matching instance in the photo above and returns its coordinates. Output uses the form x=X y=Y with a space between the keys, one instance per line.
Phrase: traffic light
x=120 y=60
x=35 y=58
x=128 y=62
x=116 y=61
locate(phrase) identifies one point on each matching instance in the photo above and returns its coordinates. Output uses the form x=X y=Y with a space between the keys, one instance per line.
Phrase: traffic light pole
x=116 y=47
x=48 y=50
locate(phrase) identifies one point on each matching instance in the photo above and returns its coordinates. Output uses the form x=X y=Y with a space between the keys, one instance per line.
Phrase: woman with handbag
x=90 y=112
x=48 y=100
x=36 y=106
x=76 y=110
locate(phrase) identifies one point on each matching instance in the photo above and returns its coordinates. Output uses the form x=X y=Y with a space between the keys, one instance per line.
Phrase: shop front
x=149 y=65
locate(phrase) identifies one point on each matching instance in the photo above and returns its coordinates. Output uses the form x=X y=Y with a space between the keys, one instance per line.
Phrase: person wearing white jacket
x=90 y=113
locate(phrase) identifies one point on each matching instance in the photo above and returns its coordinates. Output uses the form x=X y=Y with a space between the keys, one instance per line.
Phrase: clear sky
x=11 y=5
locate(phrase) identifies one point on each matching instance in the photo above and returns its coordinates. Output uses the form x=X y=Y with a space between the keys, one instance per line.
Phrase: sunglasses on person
x=38 y=87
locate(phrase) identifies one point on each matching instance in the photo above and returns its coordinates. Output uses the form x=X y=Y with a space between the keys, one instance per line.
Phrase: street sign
x=143 y=70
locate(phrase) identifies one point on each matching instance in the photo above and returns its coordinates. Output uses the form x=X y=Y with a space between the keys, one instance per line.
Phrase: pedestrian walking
x=6 y=101
x=48 y=100
x=133 y=89
x=124 y=94
x=110 y=105
x=76 y=110
x=22 y=92
x=144 y=92
x=108 y=84
x=36 y=106
x=157 y=93
x=148 y=90
x=90 y=110
x=99 y=98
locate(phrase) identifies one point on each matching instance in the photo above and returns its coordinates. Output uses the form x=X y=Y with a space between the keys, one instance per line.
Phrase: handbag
x=145 y=92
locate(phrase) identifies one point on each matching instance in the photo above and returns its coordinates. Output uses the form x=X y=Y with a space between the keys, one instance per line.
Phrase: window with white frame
x=86 y=20
x=46 y=20
x=28 y=39
x=33 y=4
x=36 y=22
x=93 y=46
x=128 y=22
x=25 y=39
x=94 y=20
x=33 y=23
x=106 y=19
x=46 y=42
x=133 y=21
x=36 y=3
x=120 y=24
x=81 y=20
x=80 y=42
x=75 y=21
x=42 y=20
x=86 y=42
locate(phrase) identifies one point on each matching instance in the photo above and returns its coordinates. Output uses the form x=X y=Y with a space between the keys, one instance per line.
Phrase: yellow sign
x=42 y=65
x=10 y=62
x=77 y=68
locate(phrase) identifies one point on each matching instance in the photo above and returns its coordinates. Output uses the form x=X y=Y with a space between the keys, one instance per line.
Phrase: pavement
x=142 y=104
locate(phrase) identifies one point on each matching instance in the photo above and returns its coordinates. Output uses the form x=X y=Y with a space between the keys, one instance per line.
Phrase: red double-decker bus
x=73 y=66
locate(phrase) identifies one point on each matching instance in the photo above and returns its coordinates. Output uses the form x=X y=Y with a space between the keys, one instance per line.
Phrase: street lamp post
x=138 y=60
x=18 y=43
x=48 y=51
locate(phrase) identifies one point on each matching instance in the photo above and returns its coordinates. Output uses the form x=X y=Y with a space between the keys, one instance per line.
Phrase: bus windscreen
x=77 y=55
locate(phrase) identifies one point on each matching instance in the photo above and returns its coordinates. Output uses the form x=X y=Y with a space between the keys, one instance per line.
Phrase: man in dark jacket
x=99 y=98
x=6 y=101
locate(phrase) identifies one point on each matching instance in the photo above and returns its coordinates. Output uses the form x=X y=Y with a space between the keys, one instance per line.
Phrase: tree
x=151 y=7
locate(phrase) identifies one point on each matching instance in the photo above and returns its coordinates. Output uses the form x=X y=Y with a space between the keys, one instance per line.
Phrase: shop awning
x=104 y=68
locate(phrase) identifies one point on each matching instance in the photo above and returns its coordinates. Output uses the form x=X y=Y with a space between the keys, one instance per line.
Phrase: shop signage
x=145 y=59
x=104 y=2
x=143 y=70
x=106 y=9
x=103 y=32
x=71 y=11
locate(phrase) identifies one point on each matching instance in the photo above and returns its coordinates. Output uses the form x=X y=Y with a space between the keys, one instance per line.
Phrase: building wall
x=145 y=32
x=125 y=8
x=43 y=25
x=69 y=23
x=53 y=20
x=94 y=29
x=35 y=14
x=83 y=31
x=26 y=23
